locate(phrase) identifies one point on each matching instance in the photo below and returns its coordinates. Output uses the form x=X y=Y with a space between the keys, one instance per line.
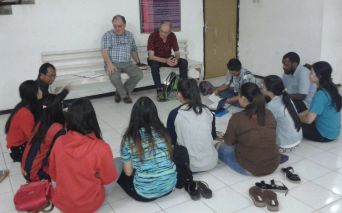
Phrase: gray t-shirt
x=286 y=133
x=299 y=83
x=237 y=81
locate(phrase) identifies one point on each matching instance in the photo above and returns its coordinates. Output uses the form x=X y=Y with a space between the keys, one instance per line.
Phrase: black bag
x=170 y=85
x=182 y=161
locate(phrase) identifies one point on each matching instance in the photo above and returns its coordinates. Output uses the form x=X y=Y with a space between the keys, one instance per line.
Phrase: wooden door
x=220 y=35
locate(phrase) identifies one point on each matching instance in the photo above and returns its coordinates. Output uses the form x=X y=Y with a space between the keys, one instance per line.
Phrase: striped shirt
x=156 y=175
x=244 y=77
x=120 y=47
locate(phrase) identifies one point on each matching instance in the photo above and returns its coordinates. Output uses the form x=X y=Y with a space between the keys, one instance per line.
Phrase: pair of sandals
x=264 y=197
x=197 y=189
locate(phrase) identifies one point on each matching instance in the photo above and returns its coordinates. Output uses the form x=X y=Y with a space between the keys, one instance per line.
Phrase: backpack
x=35 y=157
x=170 y=85
x=206 y=88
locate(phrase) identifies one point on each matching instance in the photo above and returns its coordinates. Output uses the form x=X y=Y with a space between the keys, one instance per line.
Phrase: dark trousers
x=126 y=183
x=182 y=162
x=310 y=132
x=155 y=65
x=300 y=106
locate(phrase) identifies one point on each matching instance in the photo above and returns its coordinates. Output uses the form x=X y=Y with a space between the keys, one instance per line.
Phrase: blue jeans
x=226 y=153
x=229 y=93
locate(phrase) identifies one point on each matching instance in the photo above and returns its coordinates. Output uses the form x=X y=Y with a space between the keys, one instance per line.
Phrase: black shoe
x=204 y=189
x=160 y=96
x=117 y=98
x=193 y=190
x=127 y=100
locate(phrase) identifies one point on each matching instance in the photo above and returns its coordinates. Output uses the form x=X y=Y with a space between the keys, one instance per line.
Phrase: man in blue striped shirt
x=118 y=46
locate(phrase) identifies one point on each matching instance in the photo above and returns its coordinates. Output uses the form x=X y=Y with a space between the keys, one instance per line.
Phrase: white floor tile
x=226 y=200
x=253 y=209
x=289 y=204
x=328 y=160
x=6 y=202
x=306 y=150
x=129 y=205
x=227 y=175
x=177 y=197
x=314 y=195
x=190 y=206
x=309 y=170
x=335 y=207
x=332 y=182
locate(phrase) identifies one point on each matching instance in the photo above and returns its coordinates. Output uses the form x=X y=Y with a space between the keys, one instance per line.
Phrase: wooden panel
x=220 y=35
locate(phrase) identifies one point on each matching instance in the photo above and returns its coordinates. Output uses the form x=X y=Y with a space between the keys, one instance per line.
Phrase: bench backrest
x=80 y=61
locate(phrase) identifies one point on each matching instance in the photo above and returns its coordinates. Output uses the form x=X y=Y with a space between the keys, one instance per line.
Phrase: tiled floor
x=319 y=166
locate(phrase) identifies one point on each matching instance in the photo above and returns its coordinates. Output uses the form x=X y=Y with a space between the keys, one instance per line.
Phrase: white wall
x=271 y=28
x=53 y=25
x=332 y=37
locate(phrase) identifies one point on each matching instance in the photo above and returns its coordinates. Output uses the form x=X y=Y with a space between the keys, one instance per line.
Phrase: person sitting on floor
x=34 y=163
x=80 y=163
x=249 y=145
x=46 y=76
x=296 y=81
x=192 y=125
x=236 y=76
x=23 y=119
x=289 y=133
x=146 y=152
x=322 y=122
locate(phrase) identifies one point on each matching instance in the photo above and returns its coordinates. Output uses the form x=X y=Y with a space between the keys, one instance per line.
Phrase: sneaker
x=127 y=100
x=117 y=98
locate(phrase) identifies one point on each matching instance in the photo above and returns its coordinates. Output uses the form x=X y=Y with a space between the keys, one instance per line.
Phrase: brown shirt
x=255 y=146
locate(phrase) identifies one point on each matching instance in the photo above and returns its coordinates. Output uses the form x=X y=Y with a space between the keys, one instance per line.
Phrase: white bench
x=84 y=71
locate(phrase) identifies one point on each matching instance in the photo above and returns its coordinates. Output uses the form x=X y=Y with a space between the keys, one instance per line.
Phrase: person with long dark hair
x=146 y=152
x=34 y=164
x=81 y=163
x=192 y=125
x=289 y=133
x=23 y=118
x=249 y=145
x=322 y=122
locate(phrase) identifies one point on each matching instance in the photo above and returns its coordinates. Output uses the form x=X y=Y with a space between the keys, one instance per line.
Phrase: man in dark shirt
x=46 y=76
x=159 y=49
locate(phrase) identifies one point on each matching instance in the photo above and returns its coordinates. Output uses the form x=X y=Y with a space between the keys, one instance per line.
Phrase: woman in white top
x=192 y=125
x=288 y=133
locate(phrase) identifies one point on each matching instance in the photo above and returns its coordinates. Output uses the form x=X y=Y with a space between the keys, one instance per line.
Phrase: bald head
x=165 y=29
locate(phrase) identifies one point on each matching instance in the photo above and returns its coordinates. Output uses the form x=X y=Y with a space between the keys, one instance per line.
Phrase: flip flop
x=3 y=174
x=289 y=173
x=271 y=200
x=256 y=194
x=204 y=189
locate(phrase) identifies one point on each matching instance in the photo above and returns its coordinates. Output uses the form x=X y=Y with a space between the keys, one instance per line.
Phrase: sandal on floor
x=3 y=174
x=273 y=186
x=271 y=200
x=256 y=195
x=193 y=191
x=289 y=173
x=204 y=189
